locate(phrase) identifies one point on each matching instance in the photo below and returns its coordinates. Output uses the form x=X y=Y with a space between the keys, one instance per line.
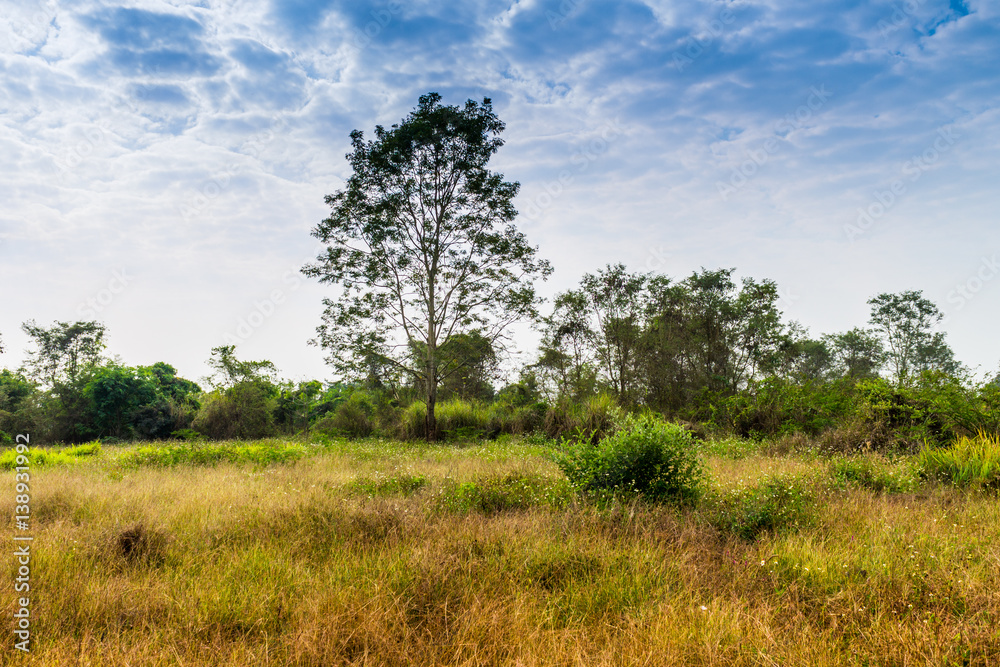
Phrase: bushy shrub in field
x=353 y=417
x=969 y=462
x=773 y=504
x=245 y=410
x=647 y=457
x=412 y=421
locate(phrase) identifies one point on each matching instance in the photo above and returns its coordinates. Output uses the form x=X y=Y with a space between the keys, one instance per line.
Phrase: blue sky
x=163 y=162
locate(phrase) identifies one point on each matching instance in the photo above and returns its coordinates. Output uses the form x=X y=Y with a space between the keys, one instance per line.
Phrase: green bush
x=970 y=462
x=773 y=504
x=646 y=457
x=499 y=493
x=245 y=411
x=352 y=418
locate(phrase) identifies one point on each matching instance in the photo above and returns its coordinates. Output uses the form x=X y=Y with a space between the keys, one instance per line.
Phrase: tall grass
x=969 y=461
x=232 y=565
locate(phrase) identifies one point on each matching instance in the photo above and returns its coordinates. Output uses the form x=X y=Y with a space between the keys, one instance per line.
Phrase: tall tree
x=421 y=239
x=857 y=353
x=906 y=324
x=567 y=347
x=63 y=350
x=617 y=300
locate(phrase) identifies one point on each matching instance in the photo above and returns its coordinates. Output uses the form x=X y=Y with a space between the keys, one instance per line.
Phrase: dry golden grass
x=285 y=565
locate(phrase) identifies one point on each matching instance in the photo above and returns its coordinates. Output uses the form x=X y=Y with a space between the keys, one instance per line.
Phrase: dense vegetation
x=700 y=351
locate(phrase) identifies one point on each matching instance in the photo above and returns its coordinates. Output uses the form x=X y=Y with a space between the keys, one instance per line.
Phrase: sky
x=163 y=163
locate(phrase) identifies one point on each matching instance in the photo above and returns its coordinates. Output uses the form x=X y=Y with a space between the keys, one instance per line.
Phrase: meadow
x=478 y=552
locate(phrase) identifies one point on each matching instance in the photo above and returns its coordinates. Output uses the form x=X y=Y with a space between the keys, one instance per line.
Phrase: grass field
x=387 y=553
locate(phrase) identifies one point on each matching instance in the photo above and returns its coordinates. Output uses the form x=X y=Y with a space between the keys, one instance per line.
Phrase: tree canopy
x=422 y=242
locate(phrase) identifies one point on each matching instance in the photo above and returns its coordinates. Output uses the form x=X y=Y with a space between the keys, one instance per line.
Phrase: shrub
x=969 y=462
x=244 y=410
x=646 y=457
x=773 y=504
x=352 y=418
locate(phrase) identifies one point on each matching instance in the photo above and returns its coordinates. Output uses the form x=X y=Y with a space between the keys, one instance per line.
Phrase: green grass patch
x=259 y=453
x=402 y=484
x=875 y=473
x=491 y=494
x=774 y=504
x=47 y=457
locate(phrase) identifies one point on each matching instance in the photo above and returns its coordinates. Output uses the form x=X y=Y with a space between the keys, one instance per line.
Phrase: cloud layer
x=841 y=148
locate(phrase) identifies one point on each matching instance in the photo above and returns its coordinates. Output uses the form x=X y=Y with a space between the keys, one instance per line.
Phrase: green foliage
x=420 y=190
x=499 y=493
x=647 y=457
x=597 y=416
x=116 y=393
x=401 y=484
x=245 y=410
x=776 y=406
x=774 y=504
x=875 y=473
x=353 y=417
x=47 y=457
x=969 y=462
x=259 y=453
